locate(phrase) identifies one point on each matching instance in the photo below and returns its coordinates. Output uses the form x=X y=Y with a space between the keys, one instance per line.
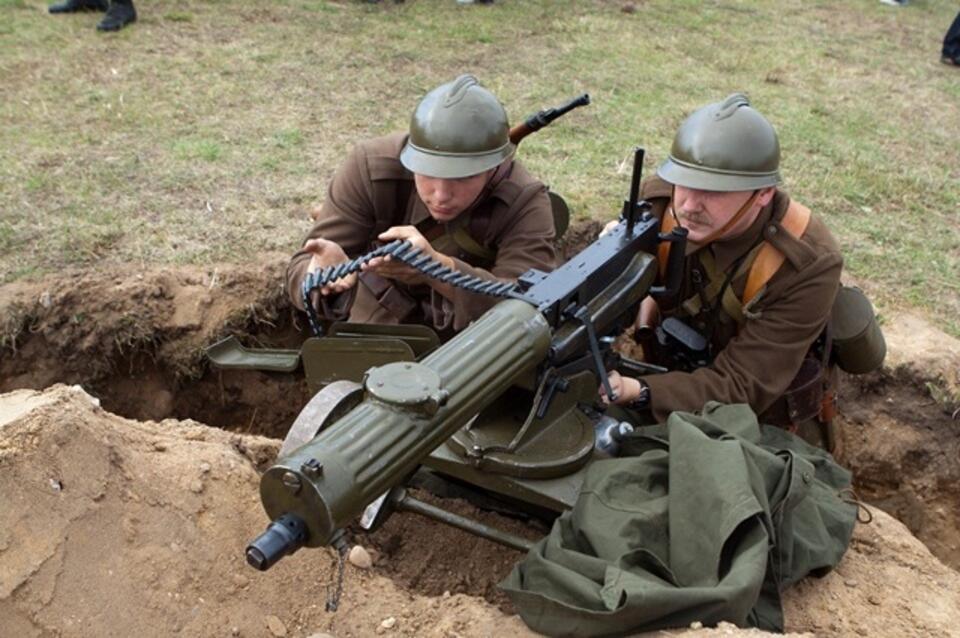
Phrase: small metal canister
x=858 y=343
x=609 y=432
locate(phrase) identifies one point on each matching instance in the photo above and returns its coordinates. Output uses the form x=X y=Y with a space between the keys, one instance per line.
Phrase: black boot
x=119 y=15
x=72 y=6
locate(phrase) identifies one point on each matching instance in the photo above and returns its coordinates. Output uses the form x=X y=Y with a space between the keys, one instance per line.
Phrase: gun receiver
x=556 y=326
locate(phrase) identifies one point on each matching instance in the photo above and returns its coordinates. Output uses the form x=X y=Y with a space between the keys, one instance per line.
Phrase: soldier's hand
x=626 y=389
x=323 y=253
x=392 y=269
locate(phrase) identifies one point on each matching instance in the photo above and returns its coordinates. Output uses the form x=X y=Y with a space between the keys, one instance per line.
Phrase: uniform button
x=771 y=231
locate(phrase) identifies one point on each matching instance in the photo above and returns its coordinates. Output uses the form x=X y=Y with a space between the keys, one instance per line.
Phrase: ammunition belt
x=402 y=251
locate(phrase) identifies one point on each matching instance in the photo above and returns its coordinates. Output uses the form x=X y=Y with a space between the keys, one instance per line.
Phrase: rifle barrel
x=542 y=118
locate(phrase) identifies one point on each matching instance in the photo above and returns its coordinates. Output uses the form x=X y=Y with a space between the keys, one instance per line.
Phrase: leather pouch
x=805 y=395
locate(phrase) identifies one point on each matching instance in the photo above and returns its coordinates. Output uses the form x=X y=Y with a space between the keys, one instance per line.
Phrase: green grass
x=178 y=16
x=207 y=130
x=197 y=149
x=289 y=138
x=7 y=236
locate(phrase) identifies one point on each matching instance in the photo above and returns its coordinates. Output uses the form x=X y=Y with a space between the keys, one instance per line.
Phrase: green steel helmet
x=459 y=129
x=724 y=146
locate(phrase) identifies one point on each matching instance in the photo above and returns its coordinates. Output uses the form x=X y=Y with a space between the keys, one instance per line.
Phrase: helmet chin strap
x=720 y=232
x=501 y=172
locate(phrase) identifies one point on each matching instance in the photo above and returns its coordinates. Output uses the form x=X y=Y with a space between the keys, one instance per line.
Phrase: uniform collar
x=419 y=211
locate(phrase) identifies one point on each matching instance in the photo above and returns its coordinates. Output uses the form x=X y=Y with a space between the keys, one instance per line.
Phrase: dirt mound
x=923 y=351
x=116 y=527
x=888 y=584
x=112 y=527
x=86 y=322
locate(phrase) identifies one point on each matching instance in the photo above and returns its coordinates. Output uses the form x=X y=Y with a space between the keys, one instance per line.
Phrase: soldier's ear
x=766 y=195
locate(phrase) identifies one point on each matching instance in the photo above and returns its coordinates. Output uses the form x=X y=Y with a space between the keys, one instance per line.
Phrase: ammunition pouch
x=804 y=396
x=858 y=344
x=808 y=406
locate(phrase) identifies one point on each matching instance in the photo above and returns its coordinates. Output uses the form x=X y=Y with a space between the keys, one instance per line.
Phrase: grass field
x=207 y=130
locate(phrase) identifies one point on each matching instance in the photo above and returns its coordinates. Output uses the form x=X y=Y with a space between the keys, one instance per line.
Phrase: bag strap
x=443 y=237
x=667 y=224
x=471 y=246
x=770 y=258
x=761 y=264
x=731 y=305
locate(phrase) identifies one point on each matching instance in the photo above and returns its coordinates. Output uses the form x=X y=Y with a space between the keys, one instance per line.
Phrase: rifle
x=551 y=336
x=543 y=118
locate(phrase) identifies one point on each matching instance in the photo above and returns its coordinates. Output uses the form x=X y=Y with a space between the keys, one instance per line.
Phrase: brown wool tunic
x=372 y=191
x=756 y=363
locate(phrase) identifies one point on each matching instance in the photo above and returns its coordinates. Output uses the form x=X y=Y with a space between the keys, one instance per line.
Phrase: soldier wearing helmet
x=761 y=275
x=450 y=187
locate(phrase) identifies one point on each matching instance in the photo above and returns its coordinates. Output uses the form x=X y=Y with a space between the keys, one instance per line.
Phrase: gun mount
x=509 y=404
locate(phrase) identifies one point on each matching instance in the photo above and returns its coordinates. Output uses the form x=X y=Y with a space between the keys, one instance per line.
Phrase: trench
x=138 y=352
x=900 y=444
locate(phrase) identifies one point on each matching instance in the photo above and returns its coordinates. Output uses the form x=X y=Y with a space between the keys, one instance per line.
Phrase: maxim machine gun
x=509 y=405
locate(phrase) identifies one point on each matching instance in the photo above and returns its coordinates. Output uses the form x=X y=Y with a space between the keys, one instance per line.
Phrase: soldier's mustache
x=695 y=218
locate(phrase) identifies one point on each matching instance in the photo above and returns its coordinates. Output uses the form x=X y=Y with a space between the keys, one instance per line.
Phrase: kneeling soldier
x=760 y=277
x=452 y=188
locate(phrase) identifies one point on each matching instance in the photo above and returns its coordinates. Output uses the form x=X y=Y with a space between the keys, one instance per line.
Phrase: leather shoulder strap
x=471 y=246
x=668 y=223
x=769 y=259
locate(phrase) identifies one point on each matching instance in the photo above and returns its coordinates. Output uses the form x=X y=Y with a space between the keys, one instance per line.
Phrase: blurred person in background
x=951 y=44
x=119 y=13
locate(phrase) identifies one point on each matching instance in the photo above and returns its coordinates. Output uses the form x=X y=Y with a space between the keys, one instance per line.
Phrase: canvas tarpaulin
x=707 y=518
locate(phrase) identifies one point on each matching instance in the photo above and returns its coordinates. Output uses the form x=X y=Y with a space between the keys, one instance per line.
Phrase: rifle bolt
x=291 y=481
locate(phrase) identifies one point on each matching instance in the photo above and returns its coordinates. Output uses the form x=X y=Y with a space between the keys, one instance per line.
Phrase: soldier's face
x=705 y=212
x=447 y=198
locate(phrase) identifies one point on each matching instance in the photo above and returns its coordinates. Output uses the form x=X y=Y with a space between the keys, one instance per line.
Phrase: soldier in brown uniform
x=452 y=188
x=761 y=275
